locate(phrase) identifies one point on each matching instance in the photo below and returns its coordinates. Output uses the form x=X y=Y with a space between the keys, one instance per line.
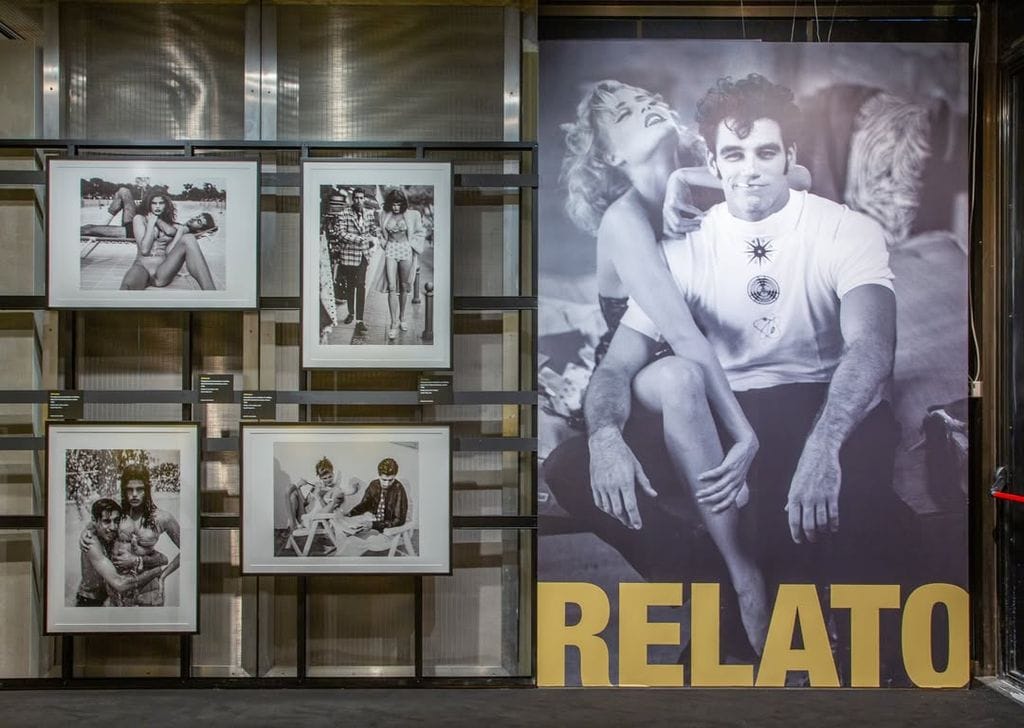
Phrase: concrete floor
x=978 y=708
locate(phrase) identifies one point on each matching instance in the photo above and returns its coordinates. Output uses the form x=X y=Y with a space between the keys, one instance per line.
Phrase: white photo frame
x=406 y=204
x=315 y=500
x=91 y=469
x=94 y=252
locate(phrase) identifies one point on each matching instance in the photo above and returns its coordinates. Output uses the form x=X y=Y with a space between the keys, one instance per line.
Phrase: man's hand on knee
x=614 y=475
x=813 y=503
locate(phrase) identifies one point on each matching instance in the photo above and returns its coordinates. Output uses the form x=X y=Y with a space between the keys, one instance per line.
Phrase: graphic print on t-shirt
x=763 y=290
x=760 y=250
x=768 y=326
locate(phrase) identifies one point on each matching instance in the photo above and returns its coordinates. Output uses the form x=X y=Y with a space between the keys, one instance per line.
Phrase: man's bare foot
x=754 y=611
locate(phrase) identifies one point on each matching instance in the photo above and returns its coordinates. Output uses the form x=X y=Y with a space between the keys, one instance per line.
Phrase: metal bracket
x=998 y=489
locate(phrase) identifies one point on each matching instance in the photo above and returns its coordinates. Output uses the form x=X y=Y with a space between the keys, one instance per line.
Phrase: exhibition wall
x=524 y=587
x=278 y=84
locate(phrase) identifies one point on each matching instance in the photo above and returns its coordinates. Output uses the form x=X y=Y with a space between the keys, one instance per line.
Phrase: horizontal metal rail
x=153 y=683
x=462 y=304
x=229 y=521
x=28 y=178
x=230 y=444
x=328 y=397
x=193 y=145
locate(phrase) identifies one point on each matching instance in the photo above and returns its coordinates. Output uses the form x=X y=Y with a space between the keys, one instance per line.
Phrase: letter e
x=636 y=634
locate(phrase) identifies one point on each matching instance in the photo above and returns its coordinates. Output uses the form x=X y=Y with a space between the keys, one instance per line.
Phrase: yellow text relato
x=797 y=609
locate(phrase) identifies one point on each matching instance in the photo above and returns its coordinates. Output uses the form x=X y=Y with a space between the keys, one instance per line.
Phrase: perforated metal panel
x=395 y=73
x=152 y=71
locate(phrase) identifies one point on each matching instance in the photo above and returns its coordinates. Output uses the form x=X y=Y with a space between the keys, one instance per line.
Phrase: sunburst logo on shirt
x=760 y=251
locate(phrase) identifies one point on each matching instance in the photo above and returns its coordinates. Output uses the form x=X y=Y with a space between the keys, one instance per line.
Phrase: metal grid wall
x=389 y=72
x=209 y=72
x=152 y=71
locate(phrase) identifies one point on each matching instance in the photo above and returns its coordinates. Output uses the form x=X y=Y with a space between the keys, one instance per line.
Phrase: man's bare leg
x=188 y=253
x=196 y=263
x=104 y=231
x=124 y=203
x=674 y=388
x=295 y=505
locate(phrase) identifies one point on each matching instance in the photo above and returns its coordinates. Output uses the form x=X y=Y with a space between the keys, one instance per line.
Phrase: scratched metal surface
x=152 y=71
x=391 y=73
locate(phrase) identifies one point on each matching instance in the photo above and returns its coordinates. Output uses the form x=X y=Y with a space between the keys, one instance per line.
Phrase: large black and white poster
x=753 y=364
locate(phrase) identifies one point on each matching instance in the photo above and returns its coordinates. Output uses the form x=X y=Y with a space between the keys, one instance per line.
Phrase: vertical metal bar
x=51 y=70
x=305 y=383
x=302 y=585
x=301 y=591
x=512 y=79
x=67 y=657
x=70 y=337
x=418 y=628
x=534 y=233
x=185 y=665
x=533 y=603
x=186 y=366
x=185 y=644
x=993 y=281
x=268 y=76
x=39 y=230
x=511 y=132
x=532 y=580
x=251 y=109
x=37 y=84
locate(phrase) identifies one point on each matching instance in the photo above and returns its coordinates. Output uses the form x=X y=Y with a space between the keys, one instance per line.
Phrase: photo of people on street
x=377 y=263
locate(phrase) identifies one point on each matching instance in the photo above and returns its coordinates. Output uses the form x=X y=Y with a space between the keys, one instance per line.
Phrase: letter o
x=917 y=636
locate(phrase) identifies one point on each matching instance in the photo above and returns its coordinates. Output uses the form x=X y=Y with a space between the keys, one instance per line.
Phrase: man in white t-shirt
x=794 y=294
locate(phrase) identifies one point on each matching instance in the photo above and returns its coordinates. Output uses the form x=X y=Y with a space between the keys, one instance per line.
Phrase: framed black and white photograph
x=152 y=233
x=376 y=264
x=346 y=499
x=122 y=527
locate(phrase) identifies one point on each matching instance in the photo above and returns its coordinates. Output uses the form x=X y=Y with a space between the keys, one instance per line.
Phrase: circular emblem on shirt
x=763 y=290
